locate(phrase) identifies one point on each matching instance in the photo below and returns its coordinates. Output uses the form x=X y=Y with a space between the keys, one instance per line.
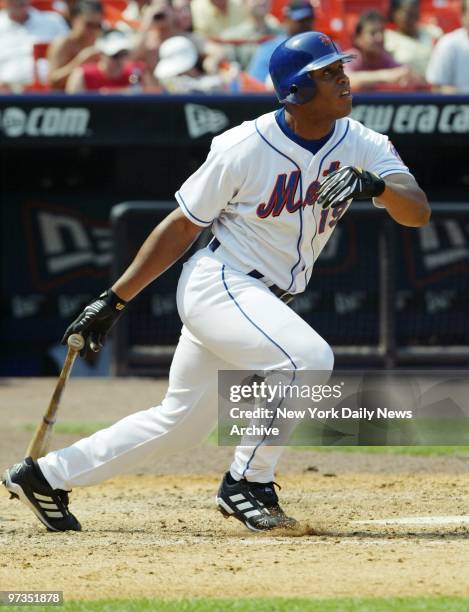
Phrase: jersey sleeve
x=381 y=156
x=207 y=192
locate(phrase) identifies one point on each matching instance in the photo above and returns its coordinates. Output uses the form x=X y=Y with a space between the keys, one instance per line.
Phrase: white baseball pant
x=231 y=321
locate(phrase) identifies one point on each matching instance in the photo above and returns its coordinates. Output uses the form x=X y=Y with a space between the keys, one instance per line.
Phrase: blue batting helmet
x=294 y=58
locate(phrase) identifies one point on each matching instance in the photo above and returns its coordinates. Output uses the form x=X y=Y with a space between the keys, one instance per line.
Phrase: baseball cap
x=113 y=43
x=298 y=10
x=177 y=55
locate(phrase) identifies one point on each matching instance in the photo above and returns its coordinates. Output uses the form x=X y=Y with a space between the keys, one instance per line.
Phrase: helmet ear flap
x=300 y=92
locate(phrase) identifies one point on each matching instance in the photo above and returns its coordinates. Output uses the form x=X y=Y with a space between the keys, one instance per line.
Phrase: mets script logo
x=284 y=192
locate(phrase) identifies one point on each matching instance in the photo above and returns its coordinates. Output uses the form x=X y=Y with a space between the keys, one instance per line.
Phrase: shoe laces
x=265 y=492
x=63 y=498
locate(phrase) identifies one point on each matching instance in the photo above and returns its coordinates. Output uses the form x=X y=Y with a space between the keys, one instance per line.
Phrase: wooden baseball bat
x=38 y=444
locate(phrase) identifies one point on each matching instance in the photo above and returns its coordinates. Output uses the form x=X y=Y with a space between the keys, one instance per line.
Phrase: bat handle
x=38 y=444
x=76 y=342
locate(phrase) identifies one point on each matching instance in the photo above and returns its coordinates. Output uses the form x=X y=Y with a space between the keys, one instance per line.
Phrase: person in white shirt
x=411 y=42
x=448 y=70
x=21 y=26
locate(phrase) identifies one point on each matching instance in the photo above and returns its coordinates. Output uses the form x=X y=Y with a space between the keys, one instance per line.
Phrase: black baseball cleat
x=26 y=482
x=255 y=504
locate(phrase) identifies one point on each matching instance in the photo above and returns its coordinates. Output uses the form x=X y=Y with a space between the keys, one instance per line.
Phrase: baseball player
x=272 y=190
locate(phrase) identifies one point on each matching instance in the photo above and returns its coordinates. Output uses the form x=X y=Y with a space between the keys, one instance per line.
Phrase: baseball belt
x=280 y=293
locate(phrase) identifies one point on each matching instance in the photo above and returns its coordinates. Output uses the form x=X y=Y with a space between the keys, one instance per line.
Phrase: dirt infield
x=157 y=534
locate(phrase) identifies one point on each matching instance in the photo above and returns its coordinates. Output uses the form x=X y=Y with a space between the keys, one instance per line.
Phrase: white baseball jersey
x=258 y=188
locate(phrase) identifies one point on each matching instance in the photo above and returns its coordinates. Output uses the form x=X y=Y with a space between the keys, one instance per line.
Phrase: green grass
x=393 y=604
x=425 y=451
x=87 y=428
x=84 y=428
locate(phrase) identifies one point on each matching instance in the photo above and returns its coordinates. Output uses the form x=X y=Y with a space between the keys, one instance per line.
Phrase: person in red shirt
x=373 y=67
x=114 y=71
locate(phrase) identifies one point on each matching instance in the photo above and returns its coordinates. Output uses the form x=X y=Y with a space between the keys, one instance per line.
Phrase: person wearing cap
x=298 y=17
x=178 y=55
x=242 y=40
x=180 y=71
x=114 y=71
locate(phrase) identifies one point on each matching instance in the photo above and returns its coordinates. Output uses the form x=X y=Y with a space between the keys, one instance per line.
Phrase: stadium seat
x=44 y=5
x=38 y=84
x=120 y=5
x=357 y=7
x=113 y=13
x=277 y=8
x=330 y=20
x=447 y=18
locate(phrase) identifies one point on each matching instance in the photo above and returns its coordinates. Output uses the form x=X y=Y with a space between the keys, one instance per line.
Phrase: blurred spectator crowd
x=192 y=46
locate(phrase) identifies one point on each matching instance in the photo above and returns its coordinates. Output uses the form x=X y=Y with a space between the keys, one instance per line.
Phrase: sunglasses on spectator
x=159 y=16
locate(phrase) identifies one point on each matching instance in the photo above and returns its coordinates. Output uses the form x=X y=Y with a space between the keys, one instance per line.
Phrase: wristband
x=113 y=300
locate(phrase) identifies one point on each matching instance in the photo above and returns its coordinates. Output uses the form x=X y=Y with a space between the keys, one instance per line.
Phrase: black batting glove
x=347 y=183
x=94 y=323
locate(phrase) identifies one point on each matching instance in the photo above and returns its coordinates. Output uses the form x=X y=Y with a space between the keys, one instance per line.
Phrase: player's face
x=333 y=95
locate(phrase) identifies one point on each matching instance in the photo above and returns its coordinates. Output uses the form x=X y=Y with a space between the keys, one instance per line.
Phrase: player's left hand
x=95 y=321
x=349 y=182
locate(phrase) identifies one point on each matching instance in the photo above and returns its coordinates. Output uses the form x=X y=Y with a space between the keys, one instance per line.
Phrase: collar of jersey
x=270 y=130
x=313 y=146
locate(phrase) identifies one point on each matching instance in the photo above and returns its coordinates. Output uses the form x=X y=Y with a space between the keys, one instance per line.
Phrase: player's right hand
x=95 y=321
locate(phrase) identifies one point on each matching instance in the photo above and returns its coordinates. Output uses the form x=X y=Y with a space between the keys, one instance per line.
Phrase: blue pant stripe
x=252 y=322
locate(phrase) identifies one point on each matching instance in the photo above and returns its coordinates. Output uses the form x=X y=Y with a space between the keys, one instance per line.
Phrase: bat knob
x=76 y=342
x=95 y=347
